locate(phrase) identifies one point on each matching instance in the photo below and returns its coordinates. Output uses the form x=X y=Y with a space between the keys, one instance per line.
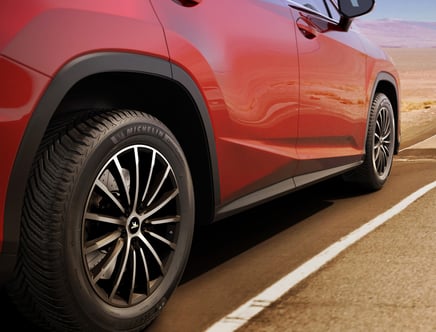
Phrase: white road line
x=248 y=310
x=429 y=143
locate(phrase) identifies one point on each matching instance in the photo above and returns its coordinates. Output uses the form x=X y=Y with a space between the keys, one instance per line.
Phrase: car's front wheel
x=380 y=146
x=107 y=225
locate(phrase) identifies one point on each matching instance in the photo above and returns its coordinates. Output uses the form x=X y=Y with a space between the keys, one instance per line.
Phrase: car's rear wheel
x=107 y=225
x=380 y=146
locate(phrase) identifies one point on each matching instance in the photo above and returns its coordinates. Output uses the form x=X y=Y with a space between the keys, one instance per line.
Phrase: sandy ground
x=417 y=68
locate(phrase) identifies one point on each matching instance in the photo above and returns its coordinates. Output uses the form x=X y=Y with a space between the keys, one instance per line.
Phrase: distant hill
x=398 y=33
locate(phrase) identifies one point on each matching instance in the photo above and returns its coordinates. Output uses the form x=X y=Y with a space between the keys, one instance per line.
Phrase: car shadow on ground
x=217 y=243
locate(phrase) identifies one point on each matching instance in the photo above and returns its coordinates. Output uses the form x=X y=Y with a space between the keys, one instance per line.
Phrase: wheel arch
x=387 y=84
x=122 y=77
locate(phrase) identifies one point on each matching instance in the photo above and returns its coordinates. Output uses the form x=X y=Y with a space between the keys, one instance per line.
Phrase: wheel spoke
x=105 y=219
x=386 y=133
x=106 y=191
x=133 y=281
x=147 y=274
x=124 y=183
x=166 y=220
x=376 y=152
x=152 y=251
x=156 y=191
x=106 y=269
x=172 y=245
x=150 y=175
x=101 y=242
x=160 y=204
x=135 y=200
x=381 y=162
x=121 y=271
x=378 y=130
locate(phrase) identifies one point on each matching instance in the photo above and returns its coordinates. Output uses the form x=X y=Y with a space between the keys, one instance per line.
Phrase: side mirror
x=354 y=8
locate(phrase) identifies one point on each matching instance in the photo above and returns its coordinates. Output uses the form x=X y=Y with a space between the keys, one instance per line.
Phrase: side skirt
x=280 y=189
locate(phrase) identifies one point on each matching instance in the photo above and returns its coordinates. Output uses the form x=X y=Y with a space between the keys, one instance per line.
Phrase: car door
x=333 y=109
x=243 y=57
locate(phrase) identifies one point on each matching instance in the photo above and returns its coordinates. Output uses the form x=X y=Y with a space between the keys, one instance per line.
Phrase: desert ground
x=417 y=68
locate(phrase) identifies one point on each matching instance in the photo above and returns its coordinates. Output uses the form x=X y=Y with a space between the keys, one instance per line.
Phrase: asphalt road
x=384 y=282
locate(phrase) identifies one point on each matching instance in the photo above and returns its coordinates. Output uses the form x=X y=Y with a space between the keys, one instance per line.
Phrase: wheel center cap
x=134 y=225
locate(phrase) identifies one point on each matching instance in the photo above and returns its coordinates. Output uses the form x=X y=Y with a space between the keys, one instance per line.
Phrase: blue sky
x=419 y=10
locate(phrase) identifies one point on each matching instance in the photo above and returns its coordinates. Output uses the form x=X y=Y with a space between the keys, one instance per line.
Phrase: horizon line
x=394 y=19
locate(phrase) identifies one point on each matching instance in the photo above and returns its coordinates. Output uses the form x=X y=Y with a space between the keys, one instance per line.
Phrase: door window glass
x=317 y=5
x=324 y=7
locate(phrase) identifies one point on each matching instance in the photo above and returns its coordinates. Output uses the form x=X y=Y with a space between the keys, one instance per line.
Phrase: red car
x=123 y=124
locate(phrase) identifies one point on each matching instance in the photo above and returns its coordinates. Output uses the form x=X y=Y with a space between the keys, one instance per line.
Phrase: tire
x=380 y=146
x=107 y=225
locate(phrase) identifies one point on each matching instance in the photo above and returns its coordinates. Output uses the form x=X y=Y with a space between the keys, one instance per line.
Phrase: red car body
x=264 y=96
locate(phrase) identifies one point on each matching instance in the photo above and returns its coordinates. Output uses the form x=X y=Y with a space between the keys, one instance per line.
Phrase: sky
x=419 y=10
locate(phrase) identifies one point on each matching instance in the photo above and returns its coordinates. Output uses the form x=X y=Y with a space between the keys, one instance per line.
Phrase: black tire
x=107 y=225
x=380 y=146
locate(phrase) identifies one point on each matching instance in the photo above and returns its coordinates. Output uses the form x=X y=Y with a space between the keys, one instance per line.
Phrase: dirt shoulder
x=417 y=125
x=417 y=69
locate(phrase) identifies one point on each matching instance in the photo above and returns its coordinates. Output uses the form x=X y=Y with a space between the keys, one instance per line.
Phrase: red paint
x=284 y=92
